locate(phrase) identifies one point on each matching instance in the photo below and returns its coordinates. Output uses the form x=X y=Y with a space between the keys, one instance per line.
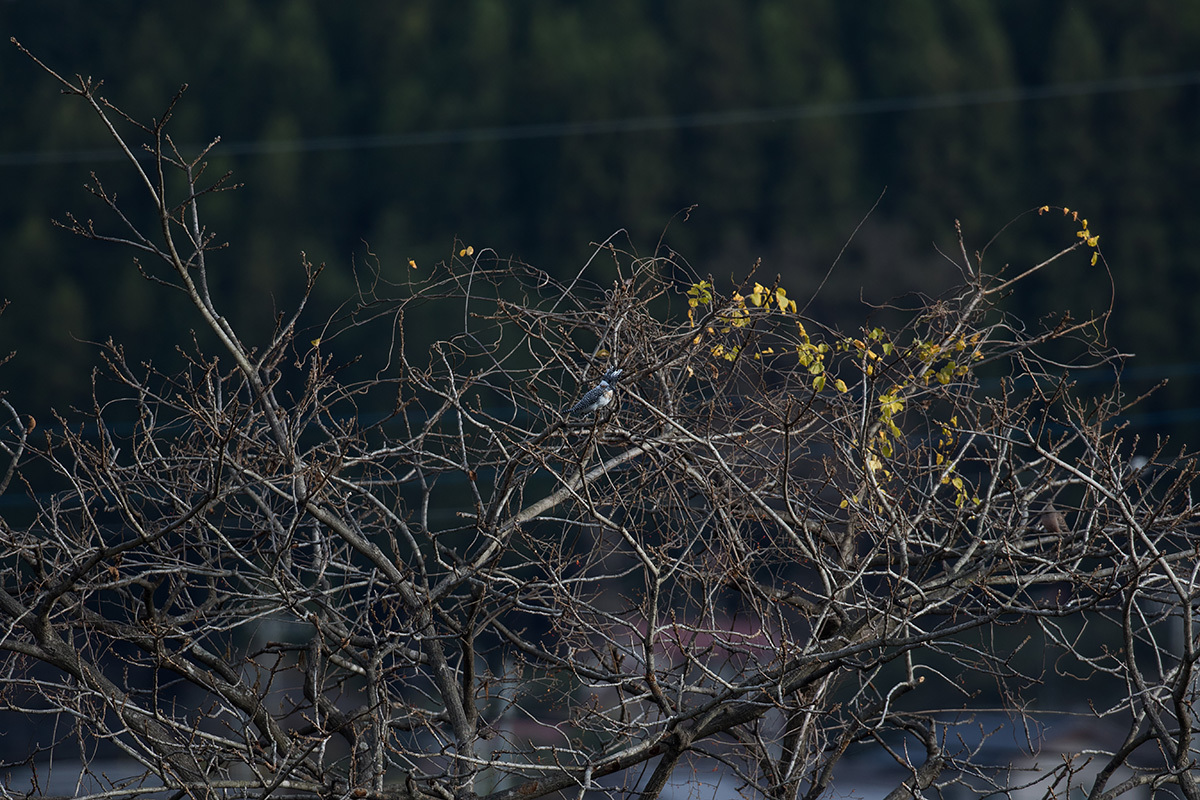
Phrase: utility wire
x=710 y=119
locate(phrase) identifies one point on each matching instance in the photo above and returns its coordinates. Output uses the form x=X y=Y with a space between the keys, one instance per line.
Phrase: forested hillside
x=385 y=130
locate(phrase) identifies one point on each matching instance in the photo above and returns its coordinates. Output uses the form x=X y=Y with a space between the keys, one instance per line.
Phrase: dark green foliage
x=313 y=103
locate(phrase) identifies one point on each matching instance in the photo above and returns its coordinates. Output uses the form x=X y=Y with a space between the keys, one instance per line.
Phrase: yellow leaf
x=819 y=383
x=840 y=385
x=890 y=404
x=316 y=342
x=412 y=264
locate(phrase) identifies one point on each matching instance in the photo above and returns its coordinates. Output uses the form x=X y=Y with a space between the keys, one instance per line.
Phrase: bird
x=1053 y=520
x=598 y=396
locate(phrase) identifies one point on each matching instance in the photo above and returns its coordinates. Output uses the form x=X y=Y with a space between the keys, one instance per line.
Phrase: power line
x=710 y=119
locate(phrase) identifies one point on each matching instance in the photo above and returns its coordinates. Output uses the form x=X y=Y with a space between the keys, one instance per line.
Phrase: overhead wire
x=641 y=124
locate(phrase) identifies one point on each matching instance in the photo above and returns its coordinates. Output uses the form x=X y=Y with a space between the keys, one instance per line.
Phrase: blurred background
x=387 y=130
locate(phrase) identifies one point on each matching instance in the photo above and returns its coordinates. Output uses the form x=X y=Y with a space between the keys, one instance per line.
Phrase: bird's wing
x=591 y=397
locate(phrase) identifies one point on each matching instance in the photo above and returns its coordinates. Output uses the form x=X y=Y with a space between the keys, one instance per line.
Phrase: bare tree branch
x=779 y=548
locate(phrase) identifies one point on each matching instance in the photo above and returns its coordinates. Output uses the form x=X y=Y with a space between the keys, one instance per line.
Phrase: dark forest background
x=373 y=133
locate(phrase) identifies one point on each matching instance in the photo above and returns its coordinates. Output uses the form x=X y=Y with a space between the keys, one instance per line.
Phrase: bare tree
x=268 y=573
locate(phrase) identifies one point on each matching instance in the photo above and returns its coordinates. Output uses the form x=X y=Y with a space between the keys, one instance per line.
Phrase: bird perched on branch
x=599 y=396
x=1053 y=520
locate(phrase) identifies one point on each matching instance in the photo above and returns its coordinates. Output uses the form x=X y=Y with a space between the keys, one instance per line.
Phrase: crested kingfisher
x=597 y=397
